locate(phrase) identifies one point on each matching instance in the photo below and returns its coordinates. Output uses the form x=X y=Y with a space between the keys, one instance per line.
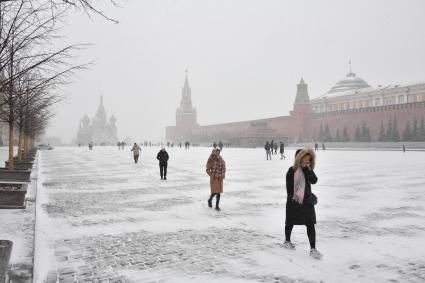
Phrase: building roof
x=350 y=83
x=370 y=90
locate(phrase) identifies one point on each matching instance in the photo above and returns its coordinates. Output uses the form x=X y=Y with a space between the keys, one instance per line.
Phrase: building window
x=377 y=102
x=419 y=98
x=401 y=99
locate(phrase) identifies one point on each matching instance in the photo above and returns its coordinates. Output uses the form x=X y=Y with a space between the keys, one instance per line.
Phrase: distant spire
x=350 y=73
x=302 y=93
x=186 y=101
x=186 y=81
x=101 y=113
x=186 y=87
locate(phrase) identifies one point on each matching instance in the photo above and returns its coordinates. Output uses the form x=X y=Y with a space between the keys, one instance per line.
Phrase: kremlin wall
x=351 y=111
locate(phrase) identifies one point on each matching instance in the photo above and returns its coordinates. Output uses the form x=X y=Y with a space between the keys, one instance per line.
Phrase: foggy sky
x=244 y=58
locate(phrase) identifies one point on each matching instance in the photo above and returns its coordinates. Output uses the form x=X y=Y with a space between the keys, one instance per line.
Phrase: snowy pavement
x=106 y=219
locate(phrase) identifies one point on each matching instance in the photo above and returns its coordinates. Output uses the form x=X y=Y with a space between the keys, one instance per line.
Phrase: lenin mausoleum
x=351 y=110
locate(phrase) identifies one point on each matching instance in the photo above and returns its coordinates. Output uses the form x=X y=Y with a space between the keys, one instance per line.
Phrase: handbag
x=313 y=199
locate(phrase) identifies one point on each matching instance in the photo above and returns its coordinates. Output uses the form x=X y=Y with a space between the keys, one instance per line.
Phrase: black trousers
x=163 y=170
x=136 y=158
x=311 y=233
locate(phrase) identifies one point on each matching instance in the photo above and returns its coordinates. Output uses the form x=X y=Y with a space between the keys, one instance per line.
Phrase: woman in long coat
x=300 y=200
x=216 y=169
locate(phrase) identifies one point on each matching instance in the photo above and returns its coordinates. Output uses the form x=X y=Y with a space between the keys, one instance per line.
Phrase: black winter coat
x=162 y=157
x=300 y=214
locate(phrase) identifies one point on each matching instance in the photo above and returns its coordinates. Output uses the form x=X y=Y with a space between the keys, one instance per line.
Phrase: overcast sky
x=244 y=57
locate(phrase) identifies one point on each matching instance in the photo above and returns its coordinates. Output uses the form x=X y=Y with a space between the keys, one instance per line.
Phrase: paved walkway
x=105 y=219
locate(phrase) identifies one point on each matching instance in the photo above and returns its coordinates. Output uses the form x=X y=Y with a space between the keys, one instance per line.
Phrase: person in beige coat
x=216 y=169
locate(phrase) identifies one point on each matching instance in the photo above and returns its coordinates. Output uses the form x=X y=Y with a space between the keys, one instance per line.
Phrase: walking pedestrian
x=136 y=152
x=300 y=200
x=404 y=148
x=90 y=145
x=216 y=169
x=282 y=150
x=163 y=157
x=275 y=147
x=267 y=148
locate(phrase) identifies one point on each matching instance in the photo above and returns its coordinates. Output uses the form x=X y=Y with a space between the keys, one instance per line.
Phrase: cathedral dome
x=350 y=82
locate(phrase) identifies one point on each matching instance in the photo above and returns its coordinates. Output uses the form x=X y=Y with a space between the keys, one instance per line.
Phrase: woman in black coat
x=300 y=200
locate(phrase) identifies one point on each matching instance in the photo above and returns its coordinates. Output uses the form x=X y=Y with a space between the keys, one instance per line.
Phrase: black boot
x=209 y=203
x=217 y=202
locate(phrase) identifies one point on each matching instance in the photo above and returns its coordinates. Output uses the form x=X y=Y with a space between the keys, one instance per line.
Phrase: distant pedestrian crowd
x=272 y=147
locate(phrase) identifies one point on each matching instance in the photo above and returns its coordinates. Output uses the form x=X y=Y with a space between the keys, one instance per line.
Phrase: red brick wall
x=372 y=116
x=302 y=122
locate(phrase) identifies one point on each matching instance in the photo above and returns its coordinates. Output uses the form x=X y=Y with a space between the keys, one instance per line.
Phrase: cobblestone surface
x=181 y=253
x=110 y=220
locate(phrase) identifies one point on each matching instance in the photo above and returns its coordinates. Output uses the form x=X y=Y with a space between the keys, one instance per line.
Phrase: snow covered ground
x=104 y=217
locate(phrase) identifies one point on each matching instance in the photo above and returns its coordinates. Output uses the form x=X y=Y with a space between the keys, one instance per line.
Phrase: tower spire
x=302 y=93
x=350 y=73
x=186 y=88
x=186 y=101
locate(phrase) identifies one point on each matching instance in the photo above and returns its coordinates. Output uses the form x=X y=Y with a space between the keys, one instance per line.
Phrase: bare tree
x=87 y=6
x=31 y=67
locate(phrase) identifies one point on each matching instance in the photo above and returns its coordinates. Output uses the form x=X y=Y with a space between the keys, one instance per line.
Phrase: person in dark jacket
x=163 y=157
x=300 y=200
x=275 y=147
x=267 y=147
x=282 y=150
